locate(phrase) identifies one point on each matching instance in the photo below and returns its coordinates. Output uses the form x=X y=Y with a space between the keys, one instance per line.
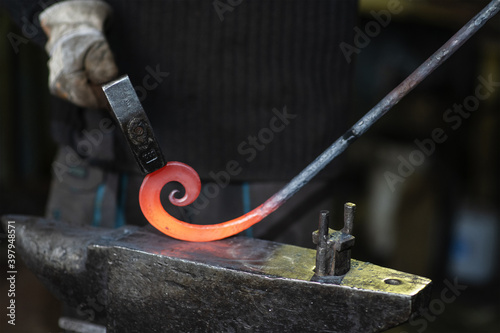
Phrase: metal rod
x=322 y=248
x=349 y=209
x=433 y=62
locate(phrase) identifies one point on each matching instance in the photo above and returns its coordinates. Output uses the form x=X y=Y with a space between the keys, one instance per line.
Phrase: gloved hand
x=80 y=57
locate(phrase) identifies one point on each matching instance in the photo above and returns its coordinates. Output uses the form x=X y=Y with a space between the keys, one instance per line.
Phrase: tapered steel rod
x=439 y=57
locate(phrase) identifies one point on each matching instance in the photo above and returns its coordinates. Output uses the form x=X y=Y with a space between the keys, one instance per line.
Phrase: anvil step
x=134 y=280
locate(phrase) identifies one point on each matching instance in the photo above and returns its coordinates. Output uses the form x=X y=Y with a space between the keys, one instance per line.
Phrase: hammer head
x=130 y=116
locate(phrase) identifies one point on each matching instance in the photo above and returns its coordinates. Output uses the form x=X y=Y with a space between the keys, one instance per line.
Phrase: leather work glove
x=80 y=57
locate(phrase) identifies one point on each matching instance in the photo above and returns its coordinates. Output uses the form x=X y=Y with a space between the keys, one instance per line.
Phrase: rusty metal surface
x=149 y=282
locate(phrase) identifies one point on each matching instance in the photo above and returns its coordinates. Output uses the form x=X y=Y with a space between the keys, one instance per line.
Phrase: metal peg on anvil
x=333 y=253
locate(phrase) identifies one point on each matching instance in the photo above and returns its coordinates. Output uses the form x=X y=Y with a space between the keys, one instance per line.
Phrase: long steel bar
x=433 y=62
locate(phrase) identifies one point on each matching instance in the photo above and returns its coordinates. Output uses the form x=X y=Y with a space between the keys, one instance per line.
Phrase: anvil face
x=147 y=282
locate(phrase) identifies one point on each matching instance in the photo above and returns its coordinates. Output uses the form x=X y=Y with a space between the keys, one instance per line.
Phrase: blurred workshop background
x=437 y=217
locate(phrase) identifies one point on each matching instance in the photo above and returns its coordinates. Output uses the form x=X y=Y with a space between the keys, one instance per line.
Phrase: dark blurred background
x=441 y=222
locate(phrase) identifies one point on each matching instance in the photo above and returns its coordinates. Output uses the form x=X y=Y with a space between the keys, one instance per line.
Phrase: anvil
x=137 y=280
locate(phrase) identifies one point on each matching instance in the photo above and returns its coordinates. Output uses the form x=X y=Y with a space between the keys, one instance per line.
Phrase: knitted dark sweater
x=262 y=84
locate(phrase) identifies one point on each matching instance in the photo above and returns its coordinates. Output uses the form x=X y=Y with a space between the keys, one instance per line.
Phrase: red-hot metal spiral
x=152 y=208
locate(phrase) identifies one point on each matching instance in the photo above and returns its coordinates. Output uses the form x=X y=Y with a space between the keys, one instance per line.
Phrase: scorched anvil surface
x=148 y=282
